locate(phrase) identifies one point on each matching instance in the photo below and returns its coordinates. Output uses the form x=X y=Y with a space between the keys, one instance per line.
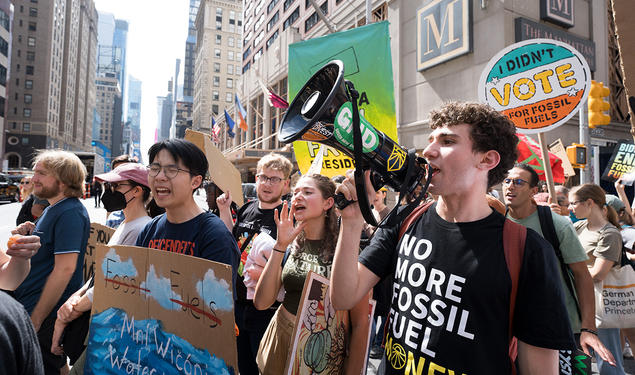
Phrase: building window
x=230 y=41
x=30 y=41
x=272 y=22
x=246 y=53
x=4 y=20
x=287 y=4
x=230 y=83
x=28 y=99
x=28 y=84
x=230 y=69
x=272 y=39
x=25 y=140
x=218 y=39
x=228 y=97
x=230 y=55
x=26 y=127
x=33 y=12
x=257 y=55
x=216 y=81
x=259 y=38
x=32 y=26
x=246 y=67
x=219 y=12
x=314 y=18
x=30 y=56
x=3 y=76
x=216 y=67
x=4 y=47
x=215 y=95
x=27 y=112
x=29 y=70
x=217 y=53
x=291 y=19
x=271 y=5
x=2 y=103
x=219 y=25
x=215 y=109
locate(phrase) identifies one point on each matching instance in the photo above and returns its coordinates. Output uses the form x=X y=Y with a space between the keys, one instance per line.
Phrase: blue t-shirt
x=204 y=236
x=63 y=228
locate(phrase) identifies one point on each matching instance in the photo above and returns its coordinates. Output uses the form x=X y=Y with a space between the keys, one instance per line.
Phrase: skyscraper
x=190 y=54
x=48 y=74
x=134 y=114
x=217 y=65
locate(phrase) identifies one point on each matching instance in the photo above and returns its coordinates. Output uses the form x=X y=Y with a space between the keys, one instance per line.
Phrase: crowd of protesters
x=468 y=283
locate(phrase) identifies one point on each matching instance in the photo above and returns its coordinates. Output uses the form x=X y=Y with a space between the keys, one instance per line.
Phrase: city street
x=9 y=211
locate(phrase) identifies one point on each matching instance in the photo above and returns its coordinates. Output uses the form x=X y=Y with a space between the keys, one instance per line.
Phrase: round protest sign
x=538 y=83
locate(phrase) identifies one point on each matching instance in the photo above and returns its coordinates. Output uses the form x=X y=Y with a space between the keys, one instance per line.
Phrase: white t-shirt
x=127 y=232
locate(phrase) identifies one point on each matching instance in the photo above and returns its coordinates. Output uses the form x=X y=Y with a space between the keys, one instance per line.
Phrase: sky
x=157 y=30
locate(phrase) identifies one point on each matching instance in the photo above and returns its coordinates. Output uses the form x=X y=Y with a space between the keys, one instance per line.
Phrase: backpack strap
x=414 y=215
x=514 y=236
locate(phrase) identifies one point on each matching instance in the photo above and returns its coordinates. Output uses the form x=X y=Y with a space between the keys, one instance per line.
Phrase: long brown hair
x=598 y=196
x=327 y=189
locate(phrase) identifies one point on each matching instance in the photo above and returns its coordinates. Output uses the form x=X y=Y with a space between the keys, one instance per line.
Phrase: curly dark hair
x=331 y=230
x=489 y=130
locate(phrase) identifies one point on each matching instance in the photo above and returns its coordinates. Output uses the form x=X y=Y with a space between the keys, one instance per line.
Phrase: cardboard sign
x=157 y=312
x=622 y=162
x=99 y=234
x=557 y=148
x=321 y=332
x=221 y=170
x=538 y=83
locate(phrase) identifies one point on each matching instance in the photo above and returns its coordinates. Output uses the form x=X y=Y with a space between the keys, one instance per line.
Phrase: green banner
x=365 y=52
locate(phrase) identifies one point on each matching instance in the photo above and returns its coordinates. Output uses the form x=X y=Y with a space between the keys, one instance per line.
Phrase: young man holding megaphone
x=456 y=304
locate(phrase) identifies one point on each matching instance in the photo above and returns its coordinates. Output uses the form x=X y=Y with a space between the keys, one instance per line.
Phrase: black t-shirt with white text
x=251 y=221
x=451 y=294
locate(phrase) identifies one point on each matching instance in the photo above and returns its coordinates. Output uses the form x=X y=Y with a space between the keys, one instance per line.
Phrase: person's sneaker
x=376 y=352
x=627 y=353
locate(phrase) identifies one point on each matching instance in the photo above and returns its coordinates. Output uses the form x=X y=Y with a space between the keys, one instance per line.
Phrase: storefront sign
x=527 y=29
x=444 y=31
x=539 y=84
x=557 y=11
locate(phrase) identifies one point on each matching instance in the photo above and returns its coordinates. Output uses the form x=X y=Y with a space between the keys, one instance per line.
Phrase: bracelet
x=589 y=331
x=280 y=251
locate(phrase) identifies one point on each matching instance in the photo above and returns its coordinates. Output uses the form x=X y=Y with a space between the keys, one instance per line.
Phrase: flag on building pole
x=230 y=125
x=242 y=114
x=273 y=99
x=215 y=131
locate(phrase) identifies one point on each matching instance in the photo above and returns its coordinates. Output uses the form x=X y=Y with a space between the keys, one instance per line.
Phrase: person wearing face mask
x=127 y=189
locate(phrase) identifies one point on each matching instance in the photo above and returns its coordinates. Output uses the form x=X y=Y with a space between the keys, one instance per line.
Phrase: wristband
x=589 y=331
x=280 y=251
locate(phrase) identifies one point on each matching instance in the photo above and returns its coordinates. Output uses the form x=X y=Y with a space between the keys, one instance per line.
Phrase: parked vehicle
x=9 y=190
x=249 y=192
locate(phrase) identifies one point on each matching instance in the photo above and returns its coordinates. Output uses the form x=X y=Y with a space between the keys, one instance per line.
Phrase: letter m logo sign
x=444 y=31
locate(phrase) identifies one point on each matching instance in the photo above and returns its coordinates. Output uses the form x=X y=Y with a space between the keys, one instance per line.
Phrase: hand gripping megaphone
x=325 y=111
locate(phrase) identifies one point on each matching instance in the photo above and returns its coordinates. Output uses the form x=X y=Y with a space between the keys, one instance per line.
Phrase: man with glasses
x=176 y=170
x=253 y=219
x=520 y=185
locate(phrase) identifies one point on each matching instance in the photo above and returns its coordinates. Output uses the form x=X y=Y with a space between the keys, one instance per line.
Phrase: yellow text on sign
x=525 y=88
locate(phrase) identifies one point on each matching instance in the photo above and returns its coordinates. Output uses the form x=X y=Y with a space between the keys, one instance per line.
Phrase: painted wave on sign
x=119 y=344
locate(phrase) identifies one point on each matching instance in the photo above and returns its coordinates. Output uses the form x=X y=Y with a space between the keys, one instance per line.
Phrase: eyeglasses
x=114 y=185
x=170 y=171
x=576 y=202
x=25 y=182
x=264 y=179
x=562 y=202
x=516 y=181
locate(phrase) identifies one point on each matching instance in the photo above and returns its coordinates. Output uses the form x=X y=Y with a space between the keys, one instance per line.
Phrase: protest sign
x=321 y=332
x=622 y=163
x=365 y=52
x=221 y=171
x=557 y=148
x=538 y=83
x=158 y=312
x=99 y=234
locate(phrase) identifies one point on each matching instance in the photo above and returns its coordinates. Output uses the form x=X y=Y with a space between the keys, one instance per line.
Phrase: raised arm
x=350 y=280
x=224 y=202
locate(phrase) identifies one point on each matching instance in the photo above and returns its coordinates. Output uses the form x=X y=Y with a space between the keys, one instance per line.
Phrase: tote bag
x=615 y=298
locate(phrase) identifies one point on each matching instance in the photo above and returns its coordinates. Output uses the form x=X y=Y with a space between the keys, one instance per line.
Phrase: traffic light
x=597 y=105
x=576 y=153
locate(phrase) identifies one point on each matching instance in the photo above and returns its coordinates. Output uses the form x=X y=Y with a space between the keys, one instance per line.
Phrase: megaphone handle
x=341 y=202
